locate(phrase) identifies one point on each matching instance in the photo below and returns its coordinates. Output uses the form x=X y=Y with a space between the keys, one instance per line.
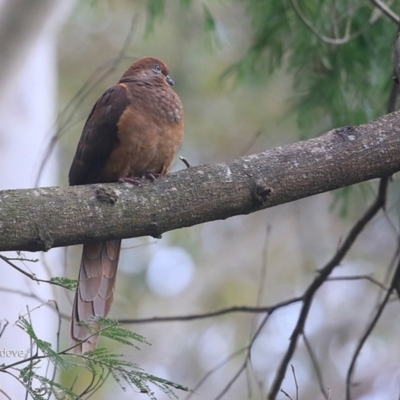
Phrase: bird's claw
x=138 y=181
x=132 y=180
x=151 y=177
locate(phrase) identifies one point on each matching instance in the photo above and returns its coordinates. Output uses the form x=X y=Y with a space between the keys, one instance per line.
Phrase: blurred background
x=237 y=101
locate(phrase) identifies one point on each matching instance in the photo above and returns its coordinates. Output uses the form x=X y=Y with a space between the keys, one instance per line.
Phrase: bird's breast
x=148 y=139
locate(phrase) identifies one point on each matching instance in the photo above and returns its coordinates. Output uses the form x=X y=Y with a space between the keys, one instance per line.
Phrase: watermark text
x=7 y=353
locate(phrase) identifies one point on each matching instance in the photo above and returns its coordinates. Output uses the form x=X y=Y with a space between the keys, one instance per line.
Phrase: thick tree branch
x=38 y=219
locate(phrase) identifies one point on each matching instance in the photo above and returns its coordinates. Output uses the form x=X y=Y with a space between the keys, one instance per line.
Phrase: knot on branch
x=348 y=133
x=45 y=240
x=261 y=192
x=155 y=232
x=106 y=195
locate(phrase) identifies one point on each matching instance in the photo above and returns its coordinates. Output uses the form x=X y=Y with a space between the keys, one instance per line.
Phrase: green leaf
x=215 y=35
x=102 y=362
x=42 y=346
x=70 y=284
x=112 y=329
x=336 y=84
x=155 y=11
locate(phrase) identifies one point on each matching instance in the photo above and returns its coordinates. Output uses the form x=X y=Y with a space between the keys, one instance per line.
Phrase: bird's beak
x=169 y=80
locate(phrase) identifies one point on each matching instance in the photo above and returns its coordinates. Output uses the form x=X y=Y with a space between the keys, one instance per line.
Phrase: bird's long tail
x=95 y=292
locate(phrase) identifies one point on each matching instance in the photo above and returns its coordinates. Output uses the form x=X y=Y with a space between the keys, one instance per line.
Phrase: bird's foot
x=138 y=181
x=151 y=177
x=133 y=180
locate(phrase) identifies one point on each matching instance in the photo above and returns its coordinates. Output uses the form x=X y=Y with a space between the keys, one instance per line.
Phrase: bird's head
x=148 y=68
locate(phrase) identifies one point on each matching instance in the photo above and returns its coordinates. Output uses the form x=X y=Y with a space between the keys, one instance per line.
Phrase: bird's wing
x=99 y=137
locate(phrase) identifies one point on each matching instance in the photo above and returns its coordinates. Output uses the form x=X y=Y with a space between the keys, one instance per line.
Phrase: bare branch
x=295 y=382
x=65 y=118
x=3 y=325
x=191 y=317
x=246 y=360
x=5 y=394
x=232 y=380
x=33 y=277
x=386 y=10
x=286 y=394
x=348 y=36
x=320 y=279
x=316 y=366
x=357 y=278
x=394 y=286
x=216 y=368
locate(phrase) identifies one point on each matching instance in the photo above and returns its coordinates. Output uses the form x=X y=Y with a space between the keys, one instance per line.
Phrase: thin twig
x=335 y=41
x=216 y=368
x=386 y=10
x=286 y=394
x=21 y=293
x=254 y=333
x=82 y=93
x=29 y=275
x=191 y=317
x=250 y=143
x=358 y=277
x=295 y=382
x=29 y=382
x=246 y=360
x=34 y=296
x=260 y=292
x=232 y=380
x=57 y=341
x=5 y=394
x=230 y=357
x=3 y=325
x=23 y=258
x=316 y=366
x=370 y=327
x=263 y=274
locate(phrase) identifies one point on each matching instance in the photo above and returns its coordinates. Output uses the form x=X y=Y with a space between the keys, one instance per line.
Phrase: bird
x=133 y=132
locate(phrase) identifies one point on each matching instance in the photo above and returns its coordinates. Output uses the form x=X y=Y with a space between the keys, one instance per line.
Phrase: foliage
x=155 y=11
x=339 y=54
x=101 y=363
x=341 y=62
x=66 y=283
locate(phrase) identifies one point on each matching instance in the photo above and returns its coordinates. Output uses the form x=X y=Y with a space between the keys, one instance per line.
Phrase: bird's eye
x=157 y=68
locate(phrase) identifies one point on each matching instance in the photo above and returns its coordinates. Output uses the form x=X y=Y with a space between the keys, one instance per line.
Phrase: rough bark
x=38 y=219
